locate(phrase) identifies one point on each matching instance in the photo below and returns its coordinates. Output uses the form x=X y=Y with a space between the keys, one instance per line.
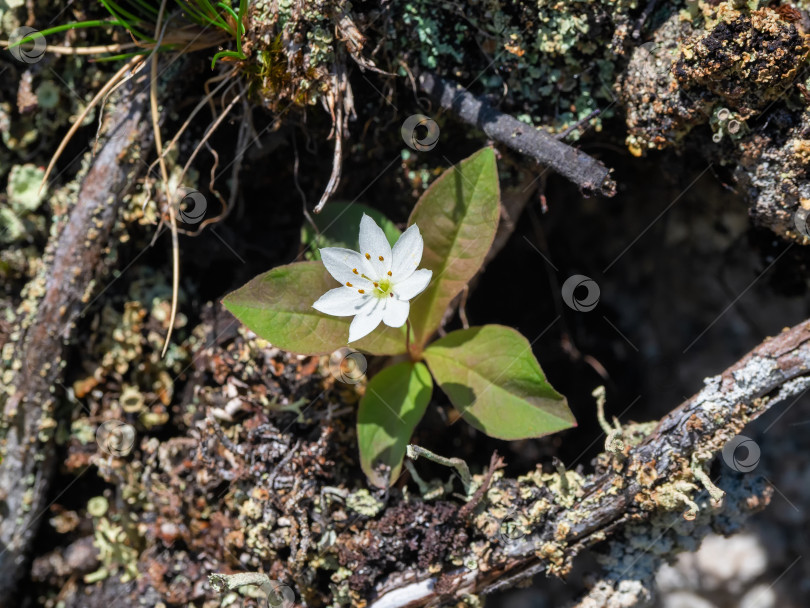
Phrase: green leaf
x=277 y=305
x=491 y=376
x=339 y=226
x=458 y=217
x=393 y=405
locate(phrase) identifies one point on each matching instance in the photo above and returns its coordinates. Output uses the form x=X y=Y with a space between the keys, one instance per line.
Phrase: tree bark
x=74 y=262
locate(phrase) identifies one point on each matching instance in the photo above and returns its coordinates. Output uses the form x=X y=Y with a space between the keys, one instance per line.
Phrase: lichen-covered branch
x=73 y=262
x=585 y=171
x=655 y=484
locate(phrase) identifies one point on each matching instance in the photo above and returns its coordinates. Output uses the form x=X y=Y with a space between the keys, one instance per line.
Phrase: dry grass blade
x=84 y=50
x=188 y=120
x=164 y=174
x=126 y=72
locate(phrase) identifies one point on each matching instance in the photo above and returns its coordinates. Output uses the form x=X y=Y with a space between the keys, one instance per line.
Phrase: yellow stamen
x=389 y=273
x=368 y=256
x=354 y=270
x=348 y=284
x=381 y=258
x=360 y=291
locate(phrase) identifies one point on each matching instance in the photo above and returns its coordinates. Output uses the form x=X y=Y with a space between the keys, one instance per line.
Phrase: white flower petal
x=407 y=253
x=413 y=285
x=340 y=302
x=367 y=319
x=374 y=244
x=341 y=264
x=396 y=312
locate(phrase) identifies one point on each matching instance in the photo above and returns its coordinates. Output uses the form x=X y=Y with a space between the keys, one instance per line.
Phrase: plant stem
x=408 y=337
x=415 y=451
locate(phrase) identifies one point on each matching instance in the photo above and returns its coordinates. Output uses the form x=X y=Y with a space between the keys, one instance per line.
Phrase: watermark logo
x=115 y=437
x=800 y=221
x=192 y=206
x=418 y=125
x=277 y=594
x=30 y=51
x=347 y=365
x=741 y=454
x=645 y=56
x=572 y=293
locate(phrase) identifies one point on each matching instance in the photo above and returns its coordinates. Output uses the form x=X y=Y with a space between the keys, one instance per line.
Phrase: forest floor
x=688 y=284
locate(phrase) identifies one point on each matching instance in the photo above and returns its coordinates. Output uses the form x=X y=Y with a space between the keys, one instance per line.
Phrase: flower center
x=385 y=285
x=382 y=288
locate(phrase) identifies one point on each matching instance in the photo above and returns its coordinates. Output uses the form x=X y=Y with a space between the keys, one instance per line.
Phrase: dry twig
x=586 y=172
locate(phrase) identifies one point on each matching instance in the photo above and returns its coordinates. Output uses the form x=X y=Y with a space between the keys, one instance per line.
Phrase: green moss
x=364 y=503
x=97 y=506
x=115 y=552
x=11 y=228
x=47 y=95
x=24 y=193
x=553 y=61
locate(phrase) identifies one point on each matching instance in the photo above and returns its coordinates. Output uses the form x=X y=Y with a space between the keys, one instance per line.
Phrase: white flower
x=377 y=282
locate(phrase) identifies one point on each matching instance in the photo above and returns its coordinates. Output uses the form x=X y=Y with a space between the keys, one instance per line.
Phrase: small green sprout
x=488 y=373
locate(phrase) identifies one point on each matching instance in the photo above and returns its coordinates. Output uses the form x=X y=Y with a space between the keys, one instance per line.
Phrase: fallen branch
x=585 y=171
x=73 y=261
x=661 y=478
